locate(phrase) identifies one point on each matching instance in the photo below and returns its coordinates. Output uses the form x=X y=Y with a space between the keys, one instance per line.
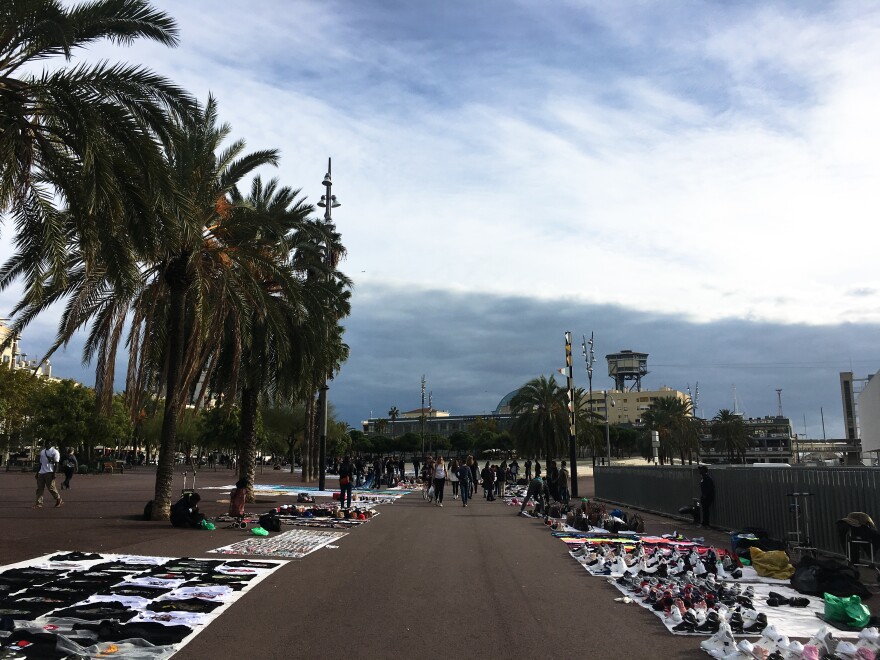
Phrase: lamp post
x=328 y=202
x=608 y=426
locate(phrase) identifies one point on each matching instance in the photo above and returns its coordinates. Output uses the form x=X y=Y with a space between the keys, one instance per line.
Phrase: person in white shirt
x=439 y=480
x=49 y=459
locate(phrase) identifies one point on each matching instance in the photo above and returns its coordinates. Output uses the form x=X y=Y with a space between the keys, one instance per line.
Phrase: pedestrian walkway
x=479 y=580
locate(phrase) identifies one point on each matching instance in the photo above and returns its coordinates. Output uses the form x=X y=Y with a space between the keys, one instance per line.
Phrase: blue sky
x=692 y=180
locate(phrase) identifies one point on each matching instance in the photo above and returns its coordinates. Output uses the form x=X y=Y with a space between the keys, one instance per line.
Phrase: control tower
x=627 y=366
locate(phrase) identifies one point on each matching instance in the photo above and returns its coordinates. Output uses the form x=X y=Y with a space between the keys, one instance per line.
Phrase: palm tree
x=540 y=418
x=266 y=353
x=381 y=425
x=393 y=414
x=729 y=429
x=673 y=419
x=202 y=269
x=87 y=136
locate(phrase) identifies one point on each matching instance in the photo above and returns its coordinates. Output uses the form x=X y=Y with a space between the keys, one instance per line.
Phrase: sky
x=693 y=180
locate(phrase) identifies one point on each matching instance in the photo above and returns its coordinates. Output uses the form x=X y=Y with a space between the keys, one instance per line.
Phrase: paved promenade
x=417 y=579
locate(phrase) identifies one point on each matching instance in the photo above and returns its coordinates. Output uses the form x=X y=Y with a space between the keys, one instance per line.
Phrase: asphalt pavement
x=417 y=579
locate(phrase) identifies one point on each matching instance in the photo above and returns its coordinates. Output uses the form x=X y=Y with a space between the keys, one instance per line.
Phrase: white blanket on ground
x=793 y=622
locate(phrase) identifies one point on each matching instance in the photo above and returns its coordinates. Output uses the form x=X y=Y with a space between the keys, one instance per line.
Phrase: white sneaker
x=795 y=651
x=745 y=647
x=869 y=639
x=674 y=616
x=439 y=503
x=721 y=643
x=846 y=650
x=770 y=638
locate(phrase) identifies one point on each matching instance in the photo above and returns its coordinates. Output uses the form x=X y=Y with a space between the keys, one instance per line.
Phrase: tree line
x=136 y=211
x=541 y=426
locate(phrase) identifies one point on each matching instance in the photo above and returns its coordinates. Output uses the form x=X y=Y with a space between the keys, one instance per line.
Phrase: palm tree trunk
x=248 y=440
x=178 y=285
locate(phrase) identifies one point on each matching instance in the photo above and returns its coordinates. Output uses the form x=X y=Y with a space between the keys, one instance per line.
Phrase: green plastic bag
x=849 y=611
x=259 y=531
x=208 y=525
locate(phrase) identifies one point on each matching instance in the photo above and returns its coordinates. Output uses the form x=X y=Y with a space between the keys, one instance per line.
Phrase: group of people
x=463 y=475
x=554 y=487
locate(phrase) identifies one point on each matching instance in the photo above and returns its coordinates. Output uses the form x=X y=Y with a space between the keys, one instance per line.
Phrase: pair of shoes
x=58 y=502
x=38 y=505
x=439 y=503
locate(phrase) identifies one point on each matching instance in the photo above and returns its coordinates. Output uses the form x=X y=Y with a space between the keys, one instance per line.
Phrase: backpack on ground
x=271 y=522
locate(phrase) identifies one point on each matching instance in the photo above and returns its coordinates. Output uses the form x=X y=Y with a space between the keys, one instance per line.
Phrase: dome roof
x=504 y=405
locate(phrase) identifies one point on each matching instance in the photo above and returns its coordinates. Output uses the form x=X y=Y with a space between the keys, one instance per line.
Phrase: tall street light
x=608 y=425
x=328 y=203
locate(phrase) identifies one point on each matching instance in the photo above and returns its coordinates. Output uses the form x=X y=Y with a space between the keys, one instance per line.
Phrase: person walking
x=346 y=474
x=453 y=477
x=537 y=468
x=501 y=479
x=49 y=459
x=528 y=469
x=475 y=475
x=536 y=487
x=439 y=480
x=707 y=495
x=416 y=465
x=464 y=477
x=377 y=473
x=564 y=492
x=553 y=480
x=70 y=465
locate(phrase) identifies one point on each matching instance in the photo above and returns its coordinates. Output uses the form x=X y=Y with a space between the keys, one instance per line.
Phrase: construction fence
x=753 y=496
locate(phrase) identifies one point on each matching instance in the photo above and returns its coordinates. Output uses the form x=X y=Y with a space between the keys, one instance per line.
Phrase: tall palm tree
x=540 y=418
x=393 y=414
x=202 y=269
x=729 y=428
x=270 y=354
x=87 y=135
x=673 y=419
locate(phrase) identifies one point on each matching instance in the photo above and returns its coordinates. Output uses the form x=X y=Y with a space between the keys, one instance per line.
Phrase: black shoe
x=711 y=624
x=759 y=624
x=684 y=626
x=736 y=622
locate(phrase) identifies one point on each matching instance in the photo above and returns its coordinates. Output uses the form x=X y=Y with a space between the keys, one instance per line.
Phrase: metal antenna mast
x=779 y=400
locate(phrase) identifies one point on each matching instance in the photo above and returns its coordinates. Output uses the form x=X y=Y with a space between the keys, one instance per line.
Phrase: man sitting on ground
x=185 y=513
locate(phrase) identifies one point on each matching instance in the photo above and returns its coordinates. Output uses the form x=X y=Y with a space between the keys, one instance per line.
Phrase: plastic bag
x=431 y=492
x=259 y=531
x=849 y=611
x=208 y=525
x=773 y=563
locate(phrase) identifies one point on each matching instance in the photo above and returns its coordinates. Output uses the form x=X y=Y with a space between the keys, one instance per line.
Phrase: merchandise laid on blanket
x=78 y=605
x=327 y=515
x=384 y=496
x=750 y=603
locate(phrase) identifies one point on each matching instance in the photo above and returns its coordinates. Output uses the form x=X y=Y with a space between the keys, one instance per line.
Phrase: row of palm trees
x=126 y=198
x=541 y=424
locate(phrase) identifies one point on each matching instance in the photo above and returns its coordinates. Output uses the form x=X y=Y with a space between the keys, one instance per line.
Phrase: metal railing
x=751 y=497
